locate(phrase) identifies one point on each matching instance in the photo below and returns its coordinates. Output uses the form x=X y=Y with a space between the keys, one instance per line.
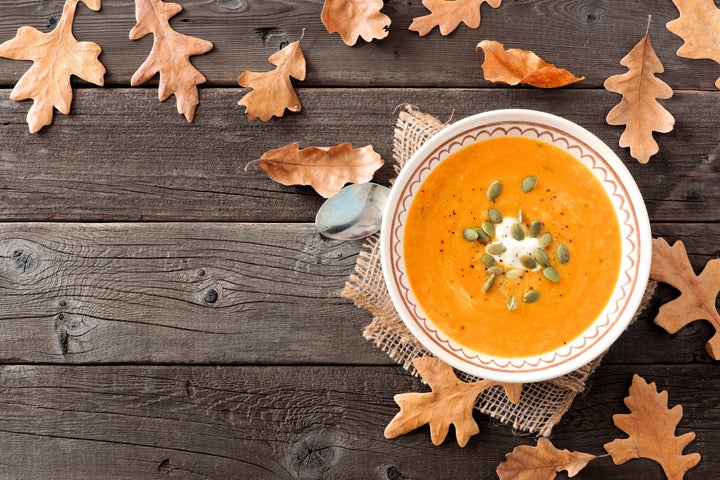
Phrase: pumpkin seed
x=488 y=283
x=545 y=239
x=470 y=234
x=541 y=257
x=495 y=215
x=534 y=228
x=529 y=183
x=514 y=273
x=563 y=254
x=531 y=296
x=528 y=262
x=495 y=270
x=496 y=249
x=511 y=303
x=489 y=228
x=517 y=232
x=482 y=236
x=551 y=274
x=488 y=260
x=520 y=216
x=494 y=191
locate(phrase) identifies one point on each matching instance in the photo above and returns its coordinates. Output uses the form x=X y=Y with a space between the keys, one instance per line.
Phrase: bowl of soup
x=515 y=246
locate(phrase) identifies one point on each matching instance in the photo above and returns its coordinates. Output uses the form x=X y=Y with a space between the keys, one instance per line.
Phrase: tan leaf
x=639 y=110
x=355 y=18
x=448 y=14
x=651 y=429
x=56 y=56
x=542 y=462
x=699 y=26
x=697 y=292
x=170 y=55
x=513 y=391
x=451 y=402
x=273 y=91
x=327 y=170
x=515 y=66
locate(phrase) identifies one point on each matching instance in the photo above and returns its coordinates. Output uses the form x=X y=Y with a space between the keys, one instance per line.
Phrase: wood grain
x=208 y=293
x=121 y=155
x=594 y=37
x=69 y=423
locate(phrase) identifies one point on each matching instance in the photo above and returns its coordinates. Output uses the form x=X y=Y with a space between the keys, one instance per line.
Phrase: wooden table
x=166 y=314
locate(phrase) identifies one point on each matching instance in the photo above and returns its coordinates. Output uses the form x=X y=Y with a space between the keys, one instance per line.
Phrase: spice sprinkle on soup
x=512 y=247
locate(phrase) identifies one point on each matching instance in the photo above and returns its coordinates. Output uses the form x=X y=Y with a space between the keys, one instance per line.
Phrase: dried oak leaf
x=170 y=55
x=56 y=56
x=515 y=66
x=355 y=18
x=451 y=402
x=447 y=15
x=639 y=110
x=542 y=462
x=273 y=91
x=651 y=429
x=697 y=292
x=699 y=26
x=326 y=169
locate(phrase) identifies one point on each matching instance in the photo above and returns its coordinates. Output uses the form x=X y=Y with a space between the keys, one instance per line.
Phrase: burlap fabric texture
x=541 y=405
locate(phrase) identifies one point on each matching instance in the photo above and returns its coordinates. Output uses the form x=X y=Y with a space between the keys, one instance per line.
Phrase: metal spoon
x=354 y=212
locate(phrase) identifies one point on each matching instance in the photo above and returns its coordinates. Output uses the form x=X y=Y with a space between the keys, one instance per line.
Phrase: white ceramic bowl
x=625 y=197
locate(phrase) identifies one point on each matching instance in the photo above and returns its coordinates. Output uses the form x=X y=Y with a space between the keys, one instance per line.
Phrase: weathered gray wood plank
x=204 y=293
x=181 y=293
x=124 y=422
x=588 y=38
x=121 y=155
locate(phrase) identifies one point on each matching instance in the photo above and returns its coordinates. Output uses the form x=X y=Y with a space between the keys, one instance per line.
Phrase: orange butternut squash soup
x=512 y=247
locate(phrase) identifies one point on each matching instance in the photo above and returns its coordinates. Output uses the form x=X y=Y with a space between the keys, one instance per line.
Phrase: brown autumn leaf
x=697 y=292
x=639 y=110
x=56 y=56
x=451 y=402
x=651 y=429
x=542 y=462
x=273 y=91
x=170 y=55
x=515 y=66
x=447 y=14
x=699 y=26
x=327 y=170
x=355 y=18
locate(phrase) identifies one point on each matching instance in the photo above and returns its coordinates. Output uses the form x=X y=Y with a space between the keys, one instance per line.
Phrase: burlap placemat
x=541 y=405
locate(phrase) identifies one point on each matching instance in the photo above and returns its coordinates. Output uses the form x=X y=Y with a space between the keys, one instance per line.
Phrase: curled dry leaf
x=355 y=18
x=273 y=91
x=451 y=402
x=651 y=429
x=515 y=66
x=697 y=292
x=639 y=110
x=327 y=170
x=56 y=56
x=699 y=26
x=447 y=15
x=170 y=55
x=542 y=462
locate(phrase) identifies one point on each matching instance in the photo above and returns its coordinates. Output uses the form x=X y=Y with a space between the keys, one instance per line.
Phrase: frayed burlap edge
x=541 y=405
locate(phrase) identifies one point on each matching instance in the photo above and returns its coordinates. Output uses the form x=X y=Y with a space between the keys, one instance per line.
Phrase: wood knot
x=309 y=459
x=392 y=473
x=22 y=258
x=210 y=296
x=238 y=5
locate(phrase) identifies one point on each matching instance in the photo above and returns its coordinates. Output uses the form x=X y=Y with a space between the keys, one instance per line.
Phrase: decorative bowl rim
x=635 y=233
